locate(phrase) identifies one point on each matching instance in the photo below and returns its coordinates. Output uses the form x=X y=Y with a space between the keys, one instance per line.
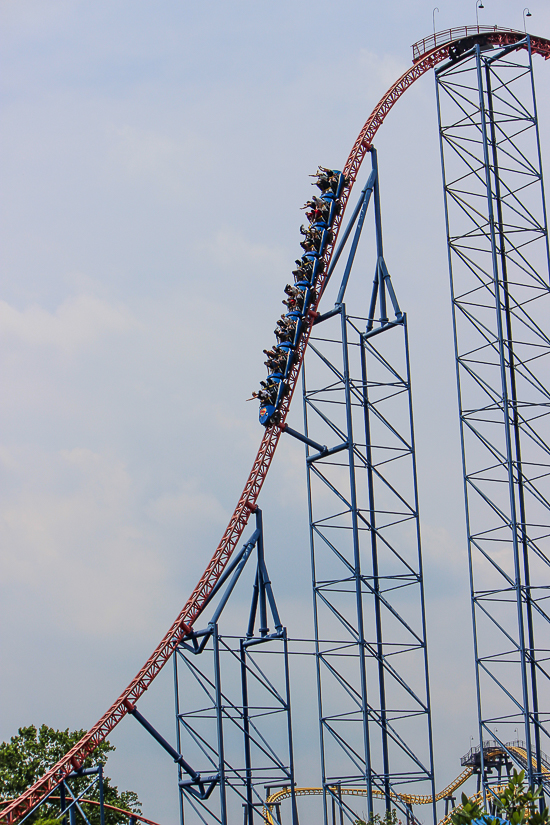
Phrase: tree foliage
x=387 y=818
x=470 y=811
x=516 y=804
x=29 y=754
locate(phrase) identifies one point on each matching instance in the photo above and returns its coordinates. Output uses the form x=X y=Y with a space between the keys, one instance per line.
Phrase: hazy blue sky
x=154 y=159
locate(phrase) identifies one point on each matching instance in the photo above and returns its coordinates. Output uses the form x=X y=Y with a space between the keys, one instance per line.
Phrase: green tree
x=27 y=756
x=387 y=818
x=470 y=811
x=516 y=804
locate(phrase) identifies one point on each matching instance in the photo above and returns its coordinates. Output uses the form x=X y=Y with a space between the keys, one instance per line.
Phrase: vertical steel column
x=499 y=271
x=62 y=802
x=372 y=670
x=178 y=731
x=293 y=801
x=249 y=804
x=361 y=640
x=101 y=797
x=219 y=723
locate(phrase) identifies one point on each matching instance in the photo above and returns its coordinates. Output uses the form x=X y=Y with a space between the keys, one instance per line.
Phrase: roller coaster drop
x=370 y=643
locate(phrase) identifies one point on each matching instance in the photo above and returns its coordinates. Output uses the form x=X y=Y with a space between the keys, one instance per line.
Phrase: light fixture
x=479 y=5
x=433 y=17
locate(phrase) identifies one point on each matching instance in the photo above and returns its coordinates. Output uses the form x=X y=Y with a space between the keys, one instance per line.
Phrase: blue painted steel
x=322 y=448
x=266 y=412
x=101 y=797
x=499 y=267
x=313 y=257
x=178 y=735
x=344 y=238
x=242 y=780
x=232 y=566
x=248 y=548
x=85 y=772
x=177 y=757
x=366 y=567
x=361 y=213
x=69 y=800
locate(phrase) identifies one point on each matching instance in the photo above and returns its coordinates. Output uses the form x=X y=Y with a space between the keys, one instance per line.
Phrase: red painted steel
x=247 y=502
x=427 y=44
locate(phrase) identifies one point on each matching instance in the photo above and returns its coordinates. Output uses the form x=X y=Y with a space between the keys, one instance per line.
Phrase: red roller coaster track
x=247 y=502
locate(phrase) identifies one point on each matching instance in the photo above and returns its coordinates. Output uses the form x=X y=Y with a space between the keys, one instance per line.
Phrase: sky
x=154 y=160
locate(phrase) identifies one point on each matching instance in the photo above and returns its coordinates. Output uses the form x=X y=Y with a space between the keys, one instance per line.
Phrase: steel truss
x=372 y=666
x=499 y=266
x=233 y=707
x=71 y=794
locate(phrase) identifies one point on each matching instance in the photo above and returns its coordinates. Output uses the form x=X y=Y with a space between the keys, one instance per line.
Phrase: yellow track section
x=408 y=799
x=521 y=754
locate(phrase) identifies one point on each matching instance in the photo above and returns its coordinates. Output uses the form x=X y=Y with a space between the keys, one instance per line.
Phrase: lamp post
x=479 y=5
x=433 y=18
x=524 y=16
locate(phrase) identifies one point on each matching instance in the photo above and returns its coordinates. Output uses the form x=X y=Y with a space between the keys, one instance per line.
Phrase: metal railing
x=494 y=744
x=448 y=35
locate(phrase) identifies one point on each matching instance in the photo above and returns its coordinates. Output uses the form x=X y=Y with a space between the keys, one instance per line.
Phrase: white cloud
x=230 y=250
x=77 y=322
x=443 y=550
x=187 y=509
x=73 y=530
x=153 y=157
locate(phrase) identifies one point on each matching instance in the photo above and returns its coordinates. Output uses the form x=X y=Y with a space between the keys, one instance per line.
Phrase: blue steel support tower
x=232 y=702
x=499 y=267
x=372 y=667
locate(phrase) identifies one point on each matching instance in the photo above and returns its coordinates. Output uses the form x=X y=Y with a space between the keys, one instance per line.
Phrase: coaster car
x=310 y=265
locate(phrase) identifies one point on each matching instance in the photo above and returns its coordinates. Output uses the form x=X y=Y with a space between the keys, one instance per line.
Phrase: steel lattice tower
x=232 y=701
x=499 y=267
x=374 y=708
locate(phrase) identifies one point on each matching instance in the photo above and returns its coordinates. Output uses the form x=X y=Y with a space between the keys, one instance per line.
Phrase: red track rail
x=108 y=807
x=247 y=502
